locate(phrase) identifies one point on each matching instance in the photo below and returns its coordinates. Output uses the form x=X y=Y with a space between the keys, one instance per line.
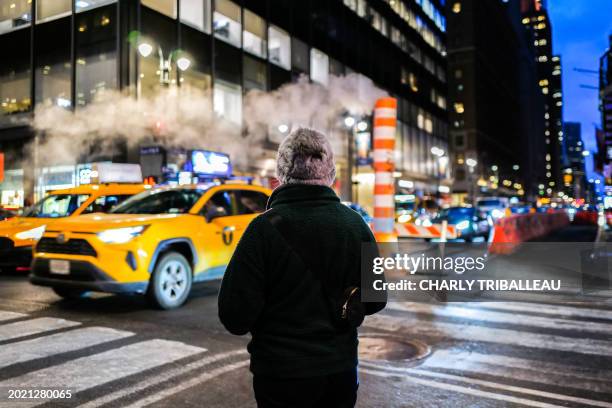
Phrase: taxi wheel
x=170 y=283
x=69 y=293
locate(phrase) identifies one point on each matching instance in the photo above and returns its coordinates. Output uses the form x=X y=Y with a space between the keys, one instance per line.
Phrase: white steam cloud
x=185 y=118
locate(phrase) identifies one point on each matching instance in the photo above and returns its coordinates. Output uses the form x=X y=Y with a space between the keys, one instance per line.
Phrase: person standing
x=294 y=284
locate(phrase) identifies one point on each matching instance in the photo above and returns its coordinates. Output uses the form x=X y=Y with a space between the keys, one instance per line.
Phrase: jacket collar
x=292 y=193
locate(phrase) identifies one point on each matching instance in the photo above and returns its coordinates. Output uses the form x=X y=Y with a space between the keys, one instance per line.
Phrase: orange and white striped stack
x=385 y=117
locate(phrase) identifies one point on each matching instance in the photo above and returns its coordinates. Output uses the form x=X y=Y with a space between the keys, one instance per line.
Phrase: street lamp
x=165 y=64
x=442 y=162
x=471 y=163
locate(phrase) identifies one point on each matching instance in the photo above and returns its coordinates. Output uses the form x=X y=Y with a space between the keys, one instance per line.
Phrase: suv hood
x=101 y=222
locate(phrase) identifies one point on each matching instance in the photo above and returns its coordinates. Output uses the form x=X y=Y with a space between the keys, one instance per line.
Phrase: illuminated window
x=254 y=34
x=457 y=7
x=542 y=58
x=196 y=13
x=459 y=108
x=319 y=66
x=545 y=91
x=544 y=82
x=16 y=15
x=414 y=83
x=227 y=101
x=279 y=47
x=526 y=20
x=227 y=22
x=50 y=9
x=167 y=7
x=82 y=5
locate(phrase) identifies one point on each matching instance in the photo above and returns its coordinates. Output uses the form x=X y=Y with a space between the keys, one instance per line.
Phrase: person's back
x=286 y=278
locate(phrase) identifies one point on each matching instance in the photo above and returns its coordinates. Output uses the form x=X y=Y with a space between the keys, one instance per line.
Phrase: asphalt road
x=115 y=351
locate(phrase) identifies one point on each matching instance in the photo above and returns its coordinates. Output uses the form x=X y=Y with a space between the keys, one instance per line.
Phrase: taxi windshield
x=176 y=201
x=56 y=206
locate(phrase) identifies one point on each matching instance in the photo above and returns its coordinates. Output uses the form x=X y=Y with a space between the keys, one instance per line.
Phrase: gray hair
x=305 y=157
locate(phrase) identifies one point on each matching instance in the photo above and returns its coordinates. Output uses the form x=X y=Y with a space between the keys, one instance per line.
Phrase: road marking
x=168 y=375
x=492 y=384
x=465 y=360
x=10 y=315
x=15 y=330
x=501 y=317
x=461 y=389
x=543 y=308
x=47 y=346
x=152 y=398
x=534 y=375
x=491 y=335
x=98 y=369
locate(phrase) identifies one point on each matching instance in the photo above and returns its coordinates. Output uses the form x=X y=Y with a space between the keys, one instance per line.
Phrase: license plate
x=59 y=266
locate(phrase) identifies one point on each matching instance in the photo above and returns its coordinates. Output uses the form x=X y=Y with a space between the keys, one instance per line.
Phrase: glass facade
x=231 y=49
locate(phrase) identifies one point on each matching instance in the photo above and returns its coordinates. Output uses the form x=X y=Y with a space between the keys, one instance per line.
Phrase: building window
x=227 y=101
x=15 y=13
x=96 y=59
x=53 y=70
x=254 y=34
x=51 y=9
x=254 y=74
x=199 y=53
x=300 y=57
x=196 y=13
x=279 y=47
x=459 y=108
x=15 y=73
x=227 y=22
x=166 y=7
x=456 y=7
x=319 y=66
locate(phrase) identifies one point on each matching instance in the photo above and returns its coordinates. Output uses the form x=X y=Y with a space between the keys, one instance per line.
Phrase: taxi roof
x=111 y=188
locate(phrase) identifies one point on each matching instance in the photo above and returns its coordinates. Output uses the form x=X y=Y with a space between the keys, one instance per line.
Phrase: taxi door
x=219 y=237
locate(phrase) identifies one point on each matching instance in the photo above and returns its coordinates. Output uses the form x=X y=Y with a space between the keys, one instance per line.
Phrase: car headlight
x=497 y=213
x=465 y=224
x=34 y=233
x=120 y=235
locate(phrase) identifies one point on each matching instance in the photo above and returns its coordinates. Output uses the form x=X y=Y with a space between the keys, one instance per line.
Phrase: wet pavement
x=115 y=351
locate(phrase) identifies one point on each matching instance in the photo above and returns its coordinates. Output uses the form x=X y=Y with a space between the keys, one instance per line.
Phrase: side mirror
x=215 y=212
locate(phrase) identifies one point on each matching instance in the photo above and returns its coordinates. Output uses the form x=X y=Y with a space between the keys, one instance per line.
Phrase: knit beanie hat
x=305 y=157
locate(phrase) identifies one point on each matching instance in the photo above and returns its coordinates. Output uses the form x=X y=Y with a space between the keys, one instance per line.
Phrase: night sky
x=580 y=34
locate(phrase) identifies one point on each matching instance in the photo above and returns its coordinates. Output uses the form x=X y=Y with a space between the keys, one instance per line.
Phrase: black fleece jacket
x=268 y=291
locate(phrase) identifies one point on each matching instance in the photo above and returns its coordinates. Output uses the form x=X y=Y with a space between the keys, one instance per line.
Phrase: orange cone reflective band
x=385 y=117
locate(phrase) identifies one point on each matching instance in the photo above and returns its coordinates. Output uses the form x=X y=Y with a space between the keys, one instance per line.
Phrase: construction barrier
x=509 y=232
x=385 y=118
x=410 y=230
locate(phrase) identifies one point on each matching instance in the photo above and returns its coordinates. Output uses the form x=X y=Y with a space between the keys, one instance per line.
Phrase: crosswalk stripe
x=97 y=369
x=166 y=376
x=24 y=328
x=491 y=335
x=501 y=317
x=10 y=315
x=547 y=309
x=461 y=389
x=534 y=374
x=464 y=360
x=50 y=345
x=491 y=384
x=150 y=399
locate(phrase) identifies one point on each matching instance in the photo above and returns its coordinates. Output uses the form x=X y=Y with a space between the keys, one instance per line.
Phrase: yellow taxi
x=19 y=234
x=156 y=243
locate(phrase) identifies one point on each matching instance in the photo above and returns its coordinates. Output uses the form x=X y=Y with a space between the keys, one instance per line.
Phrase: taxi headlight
x=465 y=224
x=34 y=233
x=120 y=235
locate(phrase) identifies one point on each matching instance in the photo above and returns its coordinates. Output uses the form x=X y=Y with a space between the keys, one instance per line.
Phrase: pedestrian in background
x=294 y=284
